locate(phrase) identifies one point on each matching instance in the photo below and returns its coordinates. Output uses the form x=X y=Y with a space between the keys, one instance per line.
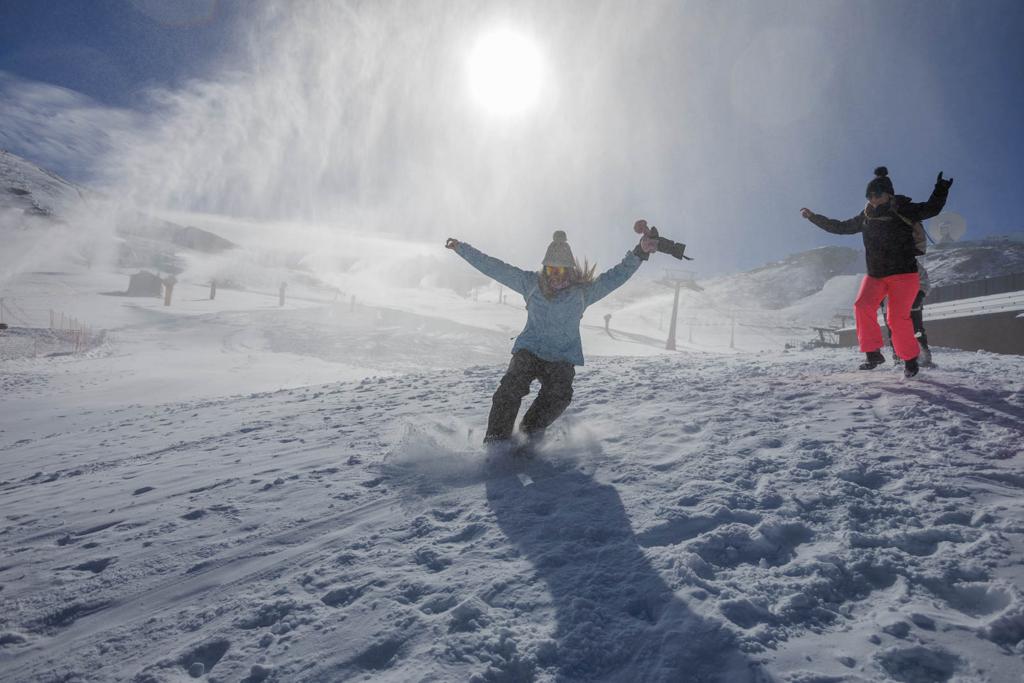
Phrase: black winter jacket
x=888 y=240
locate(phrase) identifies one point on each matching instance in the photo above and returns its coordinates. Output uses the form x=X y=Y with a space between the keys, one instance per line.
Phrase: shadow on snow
x=617 y=619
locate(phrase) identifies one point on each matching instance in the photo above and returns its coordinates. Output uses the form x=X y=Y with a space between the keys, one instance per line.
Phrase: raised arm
x=611 y=279
x=931 y=208
x=516 y=279
x=847 y=227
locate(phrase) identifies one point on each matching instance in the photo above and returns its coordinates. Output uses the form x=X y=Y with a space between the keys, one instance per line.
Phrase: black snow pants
x=916 y=317
x=554 y=396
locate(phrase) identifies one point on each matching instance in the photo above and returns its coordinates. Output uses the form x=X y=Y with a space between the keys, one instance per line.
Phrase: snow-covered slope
x=780 y=284
x=694 y=518
x=42 y=212
x=951 y=264
x=236 y=490
x=779 y=303
x=187 y=496
x=26 y=188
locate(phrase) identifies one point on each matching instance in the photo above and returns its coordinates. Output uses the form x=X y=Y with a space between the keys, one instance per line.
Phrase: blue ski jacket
x=552 y=330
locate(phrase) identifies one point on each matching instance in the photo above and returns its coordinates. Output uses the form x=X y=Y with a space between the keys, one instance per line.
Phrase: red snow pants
x=901 y=290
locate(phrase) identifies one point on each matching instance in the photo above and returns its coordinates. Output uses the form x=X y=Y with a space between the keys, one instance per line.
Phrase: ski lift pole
x=671 y=343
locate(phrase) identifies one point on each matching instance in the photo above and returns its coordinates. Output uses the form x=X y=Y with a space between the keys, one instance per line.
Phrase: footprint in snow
x=95 y=566
x=685 y=527
x=446 y=515
x=342 y=597
x=431 y=559
x=919 y=663
x=412 y=592
x=66 y=616
x=379 y=656
x=977 y=599
x=9 y=638
x=200 y=659
x=869 y=479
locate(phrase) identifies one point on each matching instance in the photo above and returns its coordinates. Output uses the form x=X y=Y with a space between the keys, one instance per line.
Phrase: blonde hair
x=584 y=275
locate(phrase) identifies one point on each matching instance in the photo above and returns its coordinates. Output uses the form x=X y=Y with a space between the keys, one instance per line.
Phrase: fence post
x=169 y=283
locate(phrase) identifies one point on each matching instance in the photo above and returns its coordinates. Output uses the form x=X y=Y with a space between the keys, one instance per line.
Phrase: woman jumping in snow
x=886 y=223
x=549 y=347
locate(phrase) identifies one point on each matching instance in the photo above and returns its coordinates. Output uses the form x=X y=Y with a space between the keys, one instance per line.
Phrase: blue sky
x=111 y=50
x=716 y=120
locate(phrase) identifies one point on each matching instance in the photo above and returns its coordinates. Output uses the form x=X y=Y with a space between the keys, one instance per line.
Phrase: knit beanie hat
x=559 y=253
x=880 y=183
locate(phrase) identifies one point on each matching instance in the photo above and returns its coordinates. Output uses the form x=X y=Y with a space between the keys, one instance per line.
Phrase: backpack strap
x=903 y=218
x=914 y=225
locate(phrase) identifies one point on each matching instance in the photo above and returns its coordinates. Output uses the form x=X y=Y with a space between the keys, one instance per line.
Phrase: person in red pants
x=891 y=255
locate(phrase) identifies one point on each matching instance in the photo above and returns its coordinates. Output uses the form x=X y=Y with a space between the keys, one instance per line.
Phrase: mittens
x=646 y=247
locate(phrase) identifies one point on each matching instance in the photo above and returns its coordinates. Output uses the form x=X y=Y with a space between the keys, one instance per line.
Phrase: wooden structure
x=828 y=336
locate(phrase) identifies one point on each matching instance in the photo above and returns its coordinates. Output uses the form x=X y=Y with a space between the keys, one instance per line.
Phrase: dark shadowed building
x=144 y=283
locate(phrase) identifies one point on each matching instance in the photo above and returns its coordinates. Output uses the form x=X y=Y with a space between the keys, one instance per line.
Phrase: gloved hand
x=806 y=213
x=646 y=247
x=942 y=184
x=451 y=243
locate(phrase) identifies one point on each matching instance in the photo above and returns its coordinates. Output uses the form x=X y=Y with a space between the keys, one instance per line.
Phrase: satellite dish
x=947 y=228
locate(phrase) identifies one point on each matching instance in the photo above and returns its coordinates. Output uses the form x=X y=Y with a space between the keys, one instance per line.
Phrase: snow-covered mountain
x=782 y=283
x=32 y=191
x=810 y=274
x=951 y=264
x=779 y=302
x=805 y=288
x=33 y=200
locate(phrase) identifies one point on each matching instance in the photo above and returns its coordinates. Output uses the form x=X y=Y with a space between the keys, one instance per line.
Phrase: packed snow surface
x=230 y=489
x=693 y=517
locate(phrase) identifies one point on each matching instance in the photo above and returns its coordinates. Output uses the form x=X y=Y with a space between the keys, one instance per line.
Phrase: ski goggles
x=556 y=271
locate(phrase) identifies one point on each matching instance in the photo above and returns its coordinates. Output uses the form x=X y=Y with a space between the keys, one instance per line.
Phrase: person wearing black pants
x=554 y=396
x=549 y=347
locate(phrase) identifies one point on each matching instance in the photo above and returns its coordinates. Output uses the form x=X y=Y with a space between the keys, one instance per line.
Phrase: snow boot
x=496 y=446
x=873 y=360
x=910 y=367
x=924 y=359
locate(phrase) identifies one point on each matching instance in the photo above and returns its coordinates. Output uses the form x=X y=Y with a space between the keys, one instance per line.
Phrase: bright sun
x=505 y=72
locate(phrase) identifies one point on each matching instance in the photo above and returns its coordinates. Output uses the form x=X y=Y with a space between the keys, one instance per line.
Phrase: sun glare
x=505 y=72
